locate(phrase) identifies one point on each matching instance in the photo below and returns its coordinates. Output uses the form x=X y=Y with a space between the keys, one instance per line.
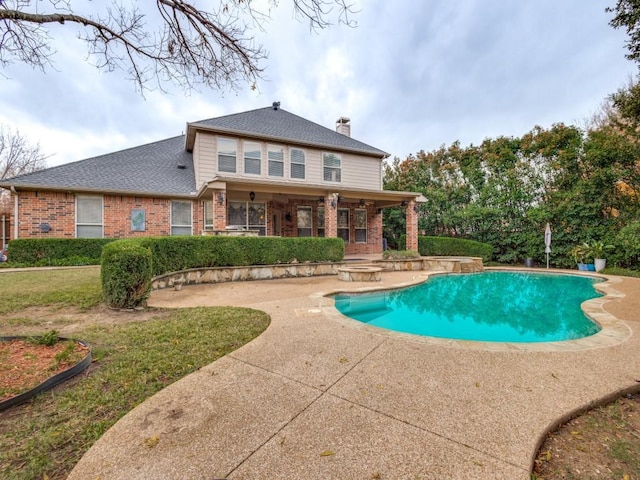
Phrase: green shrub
x=128 y=265
x=447 y=246
x=628 y=246
x=171 y=254
x=400 y=254
x=623 y=272
x=126 y=271
x=56 y=251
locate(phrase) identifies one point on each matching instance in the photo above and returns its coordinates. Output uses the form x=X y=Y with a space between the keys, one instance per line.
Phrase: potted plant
x=597 y=251
x=578 y=253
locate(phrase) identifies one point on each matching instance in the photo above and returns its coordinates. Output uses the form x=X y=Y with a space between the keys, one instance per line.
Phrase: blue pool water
x=489 y=306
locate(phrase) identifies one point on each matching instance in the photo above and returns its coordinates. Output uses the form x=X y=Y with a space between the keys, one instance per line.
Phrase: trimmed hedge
x=57 y=251
x=172 y=254
x=448 y=246
x=126 y=274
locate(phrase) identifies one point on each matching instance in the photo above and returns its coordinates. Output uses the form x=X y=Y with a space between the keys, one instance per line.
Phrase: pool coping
x=613 y=330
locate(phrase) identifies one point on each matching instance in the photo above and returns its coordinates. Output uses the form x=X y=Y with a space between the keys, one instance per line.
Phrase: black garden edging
x=50 y=382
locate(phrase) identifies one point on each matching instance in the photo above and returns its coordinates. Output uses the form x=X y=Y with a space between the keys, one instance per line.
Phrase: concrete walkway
x=318 y=396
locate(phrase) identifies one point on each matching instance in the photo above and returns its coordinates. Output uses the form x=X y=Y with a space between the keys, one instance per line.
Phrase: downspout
x=15 y=212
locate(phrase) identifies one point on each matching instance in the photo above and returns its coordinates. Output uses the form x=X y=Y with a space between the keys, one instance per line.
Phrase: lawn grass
x=133 y=362
x=79 y=288
x=46 y=437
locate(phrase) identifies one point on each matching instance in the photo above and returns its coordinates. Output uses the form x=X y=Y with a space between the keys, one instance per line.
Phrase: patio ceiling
x=267 y=190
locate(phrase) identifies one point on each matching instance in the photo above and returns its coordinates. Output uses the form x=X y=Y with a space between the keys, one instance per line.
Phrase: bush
x=126 y=274
x=128 y=265
x=628 y=243
x=447 y=246
x=171 y=254
x=400 y=254
x=56 y=251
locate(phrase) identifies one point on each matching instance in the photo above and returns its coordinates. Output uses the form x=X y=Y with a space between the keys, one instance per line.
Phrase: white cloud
x=411 y=76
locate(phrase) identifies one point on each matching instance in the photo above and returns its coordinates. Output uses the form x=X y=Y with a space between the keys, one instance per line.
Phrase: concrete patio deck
x=318 y=396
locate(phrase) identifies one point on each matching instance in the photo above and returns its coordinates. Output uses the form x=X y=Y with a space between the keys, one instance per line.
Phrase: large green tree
x=627 y=16
x=505 y=190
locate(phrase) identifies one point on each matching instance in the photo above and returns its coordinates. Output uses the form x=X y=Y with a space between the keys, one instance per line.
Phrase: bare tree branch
x=17 y=155
x=191 y=48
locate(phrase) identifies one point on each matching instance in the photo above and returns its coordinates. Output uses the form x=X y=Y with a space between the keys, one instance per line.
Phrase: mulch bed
x=24 y=365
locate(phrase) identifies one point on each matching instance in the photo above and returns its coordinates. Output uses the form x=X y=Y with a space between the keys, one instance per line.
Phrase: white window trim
x=244 y=158
x=218 y=154
x=171 y=225
x=348 y=225
x=291 y=162
x=366 y=225
x=273 y=148
x=323 y=226
x=101 y=224
x=310 y=209
x=205 y=225
x=339 y=156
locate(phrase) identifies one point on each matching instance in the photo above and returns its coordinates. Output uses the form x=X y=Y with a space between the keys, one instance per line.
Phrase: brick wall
x=53 y=208
x=58 y=211
x=412 y=226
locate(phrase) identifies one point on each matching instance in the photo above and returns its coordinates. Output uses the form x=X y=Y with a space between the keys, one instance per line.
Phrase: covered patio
x=261 y=207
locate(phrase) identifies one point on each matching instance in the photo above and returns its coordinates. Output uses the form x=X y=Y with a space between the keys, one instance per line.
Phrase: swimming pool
x=489 y=306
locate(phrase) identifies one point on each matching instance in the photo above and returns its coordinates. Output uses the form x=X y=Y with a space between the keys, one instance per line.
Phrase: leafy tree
x=162 y=41
x=627 y=16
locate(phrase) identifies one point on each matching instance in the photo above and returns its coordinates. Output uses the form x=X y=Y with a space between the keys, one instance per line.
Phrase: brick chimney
x=343 y=126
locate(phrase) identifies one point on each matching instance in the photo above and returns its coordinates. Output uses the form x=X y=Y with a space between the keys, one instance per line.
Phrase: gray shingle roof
x=147 y=169
x=287 y=127
x=152 y=169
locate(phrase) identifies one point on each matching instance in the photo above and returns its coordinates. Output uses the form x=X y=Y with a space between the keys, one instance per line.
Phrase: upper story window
x=275 y=156
x=180 y=217
x=252 y=158
x=227 y=149
x=332 y=167
x=297 y=163
x=88 y=216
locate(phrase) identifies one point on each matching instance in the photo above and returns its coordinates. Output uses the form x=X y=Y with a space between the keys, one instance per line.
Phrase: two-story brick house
x=264 y=171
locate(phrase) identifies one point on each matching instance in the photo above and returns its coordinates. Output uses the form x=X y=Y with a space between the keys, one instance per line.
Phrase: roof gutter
x=131 y=193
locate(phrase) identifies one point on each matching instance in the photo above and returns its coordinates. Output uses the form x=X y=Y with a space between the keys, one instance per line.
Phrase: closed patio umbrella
x=547 y=242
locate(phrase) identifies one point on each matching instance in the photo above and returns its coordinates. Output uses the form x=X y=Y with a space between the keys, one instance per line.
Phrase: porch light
x=252 y=196
x=321 y=200
x=362 y=202
x=335 y=198
x=220 y=198
x=404 y=203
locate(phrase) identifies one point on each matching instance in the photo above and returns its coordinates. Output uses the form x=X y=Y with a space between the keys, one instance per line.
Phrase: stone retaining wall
x=197 y=276
x=447 y=264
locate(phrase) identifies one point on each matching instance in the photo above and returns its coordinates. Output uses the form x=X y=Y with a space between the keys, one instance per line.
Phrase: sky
x=412 y=75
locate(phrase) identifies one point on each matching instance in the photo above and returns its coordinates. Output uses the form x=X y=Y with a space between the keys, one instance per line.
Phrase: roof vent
x=182 y=166
x=275 y=105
